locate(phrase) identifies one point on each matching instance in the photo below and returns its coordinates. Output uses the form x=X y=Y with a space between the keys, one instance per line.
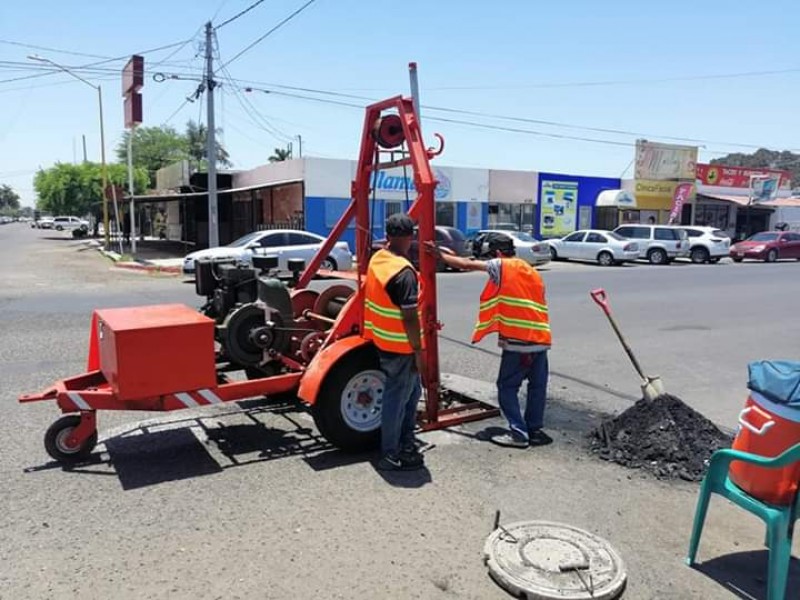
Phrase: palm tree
x=196 y=136
x=280 y=155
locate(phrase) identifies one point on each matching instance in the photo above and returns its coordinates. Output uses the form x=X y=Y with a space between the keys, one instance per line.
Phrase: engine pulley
x=388 y=131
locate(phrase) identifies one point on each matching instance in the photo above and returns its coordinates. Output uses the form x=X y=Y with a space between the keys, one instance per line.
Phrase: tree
x=764 y=159
x=67 y=189
x=280 y=155
x=196 y=137
x=153 y=148
x=9 y=200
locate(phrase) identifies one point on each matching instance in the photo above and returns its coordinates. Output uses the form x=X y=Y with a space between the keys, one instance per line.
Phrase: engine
x=263 y=325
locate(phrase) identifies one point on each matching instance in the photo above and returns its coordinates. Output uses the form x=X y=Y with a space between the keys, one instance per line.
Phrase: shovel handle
x=601 y=299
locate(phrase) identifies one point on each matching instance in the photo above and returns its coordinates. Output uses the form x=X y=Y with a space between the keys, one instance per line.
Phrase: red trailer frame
x=86 y=393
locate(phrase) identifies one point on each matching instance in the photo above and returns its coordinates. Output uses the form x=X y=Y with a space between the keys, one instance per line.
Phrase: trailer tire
x=55 y=441
x=340 y=419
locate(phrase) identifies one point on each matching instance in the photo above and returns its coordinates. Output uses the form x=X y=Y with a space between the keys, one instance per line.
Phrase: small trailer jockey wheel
x=60 y=442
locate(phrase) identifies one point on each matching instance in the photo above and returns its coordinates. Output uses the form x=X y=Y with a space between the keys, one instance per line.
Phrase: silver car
x=283 y=243
x=605 y=247
x=527 y=247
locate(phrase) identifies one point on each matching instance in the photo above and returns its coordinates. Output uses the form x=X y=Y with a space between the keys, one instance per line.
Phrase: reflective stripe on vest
x=383 y=320
x=517 y=308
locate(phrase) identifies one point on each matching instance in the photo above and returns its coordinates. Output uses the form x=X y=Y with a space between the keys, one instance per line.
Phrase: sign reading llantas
x=132 y=82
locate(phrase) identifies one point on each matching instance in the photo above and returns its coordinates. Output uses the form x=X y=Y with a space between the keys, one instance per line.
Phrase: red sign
x=736 y=177
x=682 y=193
x=133 y=75
x=133 y=110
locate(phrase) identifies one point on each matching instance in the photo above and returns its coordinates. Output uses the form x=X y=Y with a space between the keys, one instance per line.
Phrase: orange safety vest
x=517 y=308
x=383 y=319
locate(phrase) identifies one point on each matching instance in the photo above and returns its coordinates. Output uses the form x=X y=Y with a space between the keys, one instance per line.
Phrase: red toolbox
x=149 y=351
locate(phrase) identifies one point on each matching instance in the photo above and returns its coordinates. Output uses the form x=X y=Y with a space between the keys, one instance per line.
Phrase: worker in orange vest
x=391 y=321
x=513 y=305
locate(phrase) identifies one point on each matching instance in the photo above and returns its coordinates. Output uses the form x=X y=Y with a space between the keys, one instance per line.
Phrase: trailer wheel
x=55 y=441
x=348 y=409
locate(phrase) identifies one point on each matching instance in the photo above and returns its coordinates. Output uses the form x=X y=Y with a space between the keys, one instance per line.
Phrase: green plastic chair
x=780 y=520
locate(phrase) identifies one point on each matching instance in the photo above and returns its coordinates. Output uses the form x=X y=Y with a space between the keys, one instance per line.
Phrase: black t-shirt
x=403 y=288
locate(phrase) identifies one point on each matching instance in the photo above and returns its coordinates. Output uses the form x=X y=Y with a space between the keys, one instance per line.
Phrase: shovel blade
x=652 y=388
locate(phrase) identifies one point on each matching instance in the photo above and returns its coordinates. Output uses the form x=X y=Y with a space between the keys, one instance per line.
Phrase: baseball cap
x=399 y=225
x=500 y=241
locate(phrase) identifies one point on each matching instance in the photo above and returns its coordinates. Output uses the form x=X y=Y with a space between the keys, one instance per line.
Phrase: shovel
x=652 y=387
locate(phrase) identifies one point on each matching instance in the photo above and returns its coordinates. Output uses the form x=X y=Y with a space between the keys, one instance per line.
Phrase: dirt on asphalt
x=665 y=437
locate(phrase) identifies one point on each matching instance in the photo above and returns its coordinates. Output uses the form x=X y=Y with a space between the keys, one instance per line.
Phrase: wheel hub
x=362 y=400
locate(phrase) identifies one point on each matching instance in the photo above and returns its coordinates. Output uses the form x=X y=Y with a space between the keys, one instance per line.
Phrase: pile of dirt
x=664 y=437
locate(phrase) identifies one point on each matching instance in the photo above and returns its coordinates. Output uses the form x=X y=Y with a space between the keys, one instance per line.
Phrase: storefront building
x=567 y=203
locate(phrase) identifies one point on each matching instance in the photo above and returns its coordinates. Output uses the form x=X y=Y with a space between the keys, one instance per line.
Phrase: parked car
x=43 y=223
x=283 y=243
x=62 y=223
x=505 y=227
x=605 y=247
x=527 y=247
x=659 y=244
x=707 y=244
x=447 y=237
x=768 y=246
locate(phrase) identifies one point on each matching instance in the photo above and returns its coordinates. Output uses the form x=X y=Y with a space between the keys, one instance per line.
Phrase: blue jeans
x=515 y=367
x=400 y=397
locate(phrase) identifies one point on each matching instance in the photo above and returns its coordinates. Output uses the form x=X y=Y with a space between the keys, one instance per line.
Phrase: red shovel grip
x=601 y=299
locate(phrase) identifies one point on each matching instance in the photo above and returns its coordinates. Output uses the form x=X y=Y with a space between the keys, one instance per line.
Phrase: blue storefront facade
x=567 y=202
x=318 y=190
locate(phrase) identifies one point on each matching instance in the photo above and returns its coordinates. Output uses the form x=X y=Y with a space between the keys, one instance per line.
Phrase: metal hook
x=436 y=152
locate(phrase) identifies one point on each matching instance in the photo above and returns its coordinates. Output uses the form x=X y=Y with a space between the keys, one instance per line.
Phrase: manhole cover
x=538 y=560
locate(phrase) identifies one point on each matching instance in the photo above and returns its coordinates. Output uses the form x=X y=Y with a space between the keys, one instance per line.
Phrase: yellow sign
x=655 y=195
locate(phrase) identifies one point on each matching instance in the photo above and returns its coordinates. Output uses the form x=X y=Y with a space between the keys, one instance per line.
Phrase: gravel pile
x=664 y=437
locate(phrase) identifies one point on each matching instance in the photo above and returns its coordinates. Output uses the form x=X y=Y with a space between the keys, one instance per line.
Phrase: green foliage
x=68 y=189
x=153 y=148
x=157 y=147
x=764 y=159
x=9 y=200
x=280 y=155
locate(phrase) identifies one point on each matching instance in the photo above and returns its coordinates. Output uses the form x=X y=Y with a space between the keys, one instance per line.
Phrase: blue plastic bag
x=777 y=380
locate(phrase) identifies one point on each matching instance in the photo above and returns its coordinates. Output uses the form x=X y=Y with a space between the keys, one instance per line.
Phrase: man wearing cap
x=391 y=321
x=514 y=305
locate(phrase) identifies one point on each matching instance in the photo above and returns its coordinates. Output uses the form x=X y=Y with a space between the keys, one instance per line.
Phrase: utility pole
x=132 y=213
x=211 y=144
x=300 y=145
x=84 y=148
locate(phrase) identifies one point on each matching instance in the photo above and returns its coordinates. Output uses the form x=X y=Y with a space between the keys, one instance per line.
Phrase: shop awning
x=738 y=200
x=190 y=195
x=616 y=199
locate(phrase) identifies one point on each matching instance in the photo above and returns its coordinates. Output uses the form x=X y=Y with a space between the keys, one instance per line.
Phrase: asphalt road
x=249 y=502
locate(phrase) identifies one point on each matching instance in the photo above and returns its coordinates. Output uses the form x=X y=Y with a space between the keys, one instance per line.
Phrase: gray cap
x=399 y=225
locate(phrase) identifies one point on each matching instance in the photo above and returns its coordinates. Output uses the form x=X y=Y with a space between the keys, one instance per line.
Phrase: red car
x=768 y=246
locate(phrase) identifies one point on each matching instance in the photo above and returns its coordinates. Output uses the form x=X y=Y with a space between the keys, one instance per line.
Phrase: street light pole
x=104 y=167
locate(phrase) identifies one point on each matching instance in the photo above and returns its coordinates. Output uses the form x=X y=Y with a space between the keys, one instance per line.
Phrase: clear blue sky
x=507 y=56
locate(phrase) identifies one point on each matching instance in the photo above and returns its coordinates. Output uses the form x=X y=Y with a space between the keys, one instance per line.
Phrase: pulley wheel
x=336 y=293
x=303 y=300
x=388 y=131
x=236 y=337
x=538 y=560
x=311 y=344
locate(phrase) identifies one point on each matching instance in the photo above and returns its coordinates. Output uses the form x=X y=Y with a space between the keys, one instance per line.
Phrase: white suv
x=62 y=223
x=659 y=244
x=707 y=244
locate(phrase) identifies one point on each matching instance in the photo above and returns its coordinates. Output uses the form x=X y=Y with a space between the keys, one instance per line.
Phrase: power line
x=271 y=31
x=47 y=49
x=102 y=62
x=241 y=13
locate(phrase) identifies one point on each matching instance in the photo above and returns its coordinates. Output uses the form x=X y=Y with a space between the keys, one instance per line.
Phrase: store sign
x=657 y=161
x=395 y=183
x=737 y=177
x=474 y=216
x=764 y=188
x=655 y=190
x=559 y=207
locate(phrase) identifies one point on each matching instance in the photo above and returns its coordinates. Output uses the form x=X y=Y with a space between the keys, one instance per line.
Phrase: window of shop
x=396 y=206
x=712 y=215
x=446 y=213
x=522 y=216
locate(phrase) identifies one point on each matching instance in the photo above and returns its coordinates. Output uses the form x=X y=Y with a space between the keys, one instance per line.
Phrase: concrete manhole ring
x=539 y=560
